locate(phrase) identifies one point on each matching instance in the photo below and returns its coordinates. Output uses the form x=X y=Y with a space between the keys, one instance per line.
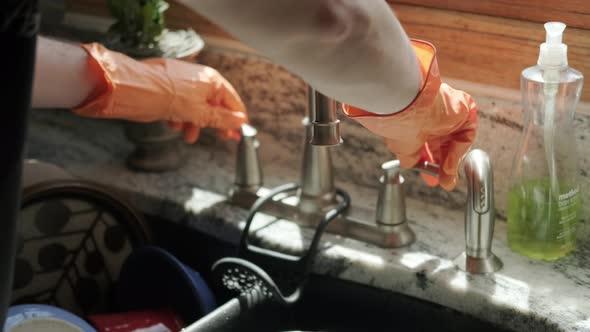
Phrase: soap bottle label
x=568 y=211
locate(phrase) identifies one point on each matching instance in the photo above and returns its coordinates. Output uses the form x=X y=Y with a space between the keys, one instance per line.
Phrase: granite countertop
x=525 y=295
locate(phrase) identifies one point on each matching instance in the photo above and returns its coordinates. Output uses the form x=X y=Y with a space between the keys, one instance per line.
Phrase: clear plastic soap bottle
x=544 y=198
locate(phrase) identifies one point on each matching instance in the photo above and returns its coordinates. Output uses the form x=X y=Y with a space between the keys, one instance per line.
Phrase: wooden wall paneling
x=485 y=49
x=575 y=13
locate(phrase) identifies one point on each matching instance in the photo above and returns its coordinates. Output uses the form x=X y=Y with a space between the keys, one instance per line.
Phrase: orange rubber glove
x=439 y=126
x=189 y=95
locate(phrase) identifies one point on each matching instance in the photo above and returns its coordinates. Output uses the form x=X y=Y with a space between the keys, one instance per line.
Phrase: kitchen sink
x=328 y=304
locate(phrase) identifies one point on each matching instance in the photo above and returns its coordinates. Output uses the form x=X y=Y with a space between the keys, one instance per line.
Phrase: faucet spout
x=325 y=126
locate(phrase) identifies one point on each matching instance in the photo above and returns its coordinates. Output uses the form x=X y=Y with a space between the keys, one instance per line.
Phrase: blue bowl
x=25 y=312
x=152 y=278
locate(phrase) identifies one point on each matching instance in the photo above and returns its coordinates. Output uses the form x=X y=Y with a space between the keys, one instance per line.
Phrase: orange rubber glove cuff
x=438 y=126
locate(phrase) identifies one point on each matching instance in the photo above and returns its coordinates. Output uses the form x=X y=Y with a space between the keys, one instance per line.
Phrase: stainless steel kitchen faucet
x=387 y=226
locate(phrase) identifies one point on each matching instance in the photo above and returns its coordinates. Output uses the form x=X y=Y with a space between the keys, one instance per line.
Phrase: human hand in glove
x=188 y=95
x=439 y=126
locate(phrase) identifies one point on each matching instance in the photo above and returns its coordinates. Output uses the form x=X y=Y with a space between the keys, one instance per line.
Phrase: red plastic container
x=135 y=320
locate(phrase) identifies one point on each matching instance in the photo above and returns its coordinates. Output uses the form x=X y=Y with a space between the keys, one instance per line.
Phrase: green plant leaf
x=162 y=6
x=139 y=22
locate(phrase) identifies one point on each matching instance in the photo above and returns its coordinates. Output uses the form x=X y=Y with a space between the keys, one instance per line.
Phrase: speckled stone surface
x=524 y=296
x=277 y=102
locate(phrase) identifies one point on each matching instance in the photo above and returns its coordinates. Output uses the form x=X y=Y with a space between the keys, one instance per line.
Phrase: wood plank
x=487 y=49
x=575 y=13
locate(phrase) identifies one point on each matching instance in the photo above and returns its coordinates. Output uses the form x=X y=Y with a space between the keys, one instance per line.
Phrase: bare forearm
x=62 y=76
x=355 y=51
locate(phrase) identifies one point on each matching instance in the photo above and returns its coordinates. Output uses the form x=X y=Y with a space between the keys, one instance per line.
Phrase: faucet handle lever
x=248 y=169
x=391 y=206
x=427 y=167
x=391 y=171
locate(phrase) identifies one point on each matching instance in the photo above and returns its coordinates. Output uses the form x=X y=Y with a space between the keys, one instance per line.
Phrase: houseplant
x=140 y=32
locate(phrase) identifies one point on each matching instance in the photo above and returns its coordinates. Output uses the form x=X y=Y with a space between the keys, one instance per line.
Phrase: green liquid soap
x=541 y=225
